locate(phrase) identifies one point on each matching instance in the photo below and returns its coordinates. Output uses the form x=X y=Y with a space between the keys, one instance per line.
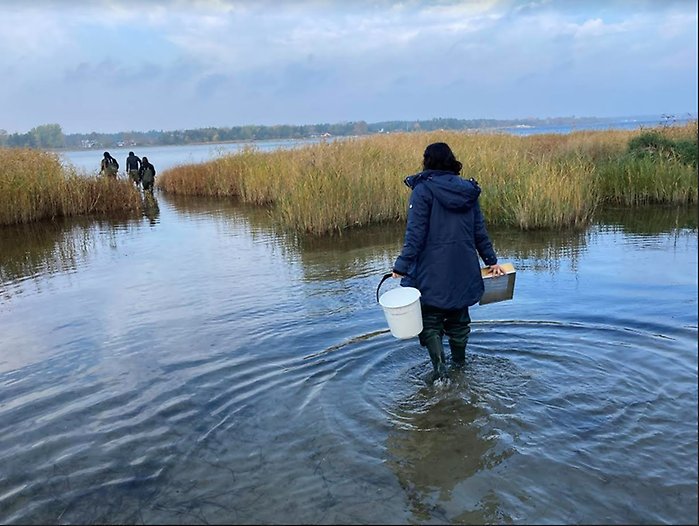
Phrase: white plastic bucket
x=401 y=306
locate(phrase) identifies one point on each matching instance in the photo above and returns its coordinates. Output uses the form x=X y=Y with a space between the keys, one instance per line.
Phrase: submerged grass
x=534 y=182
x=35 y=186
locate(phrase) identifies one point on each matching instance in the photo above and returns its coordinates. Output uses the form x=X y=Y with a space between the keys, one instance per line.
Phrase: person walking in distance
x=147 y=173
x=133 y=168
x=109 y=166
x=444 y=237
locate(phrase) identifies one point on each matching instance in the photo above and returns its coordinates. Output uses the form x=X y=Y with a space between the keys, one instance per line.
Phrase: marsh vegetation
x=545 y=181
x=531 y=182
x=34 y=185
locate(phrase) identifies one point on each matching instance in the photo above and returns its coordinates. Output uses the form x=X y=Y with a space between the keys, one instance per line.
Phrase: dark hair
x=130 y=153
x=438 y=156
x=106 y=155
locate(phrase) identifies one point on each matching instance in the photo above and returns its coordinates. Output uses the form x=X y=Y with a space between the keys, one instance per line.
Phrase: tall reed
x=34 y=185
x=538 y=181
x=637 y=181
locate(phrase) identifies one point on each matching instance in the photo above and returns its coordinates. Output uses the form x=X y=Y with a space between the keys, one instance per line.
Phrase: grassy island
x=530 y=182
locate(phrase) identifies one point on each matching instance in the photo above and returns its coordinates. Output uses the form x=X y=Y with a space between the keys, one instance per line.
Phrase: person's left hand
x=396 y=275
x=496 y=270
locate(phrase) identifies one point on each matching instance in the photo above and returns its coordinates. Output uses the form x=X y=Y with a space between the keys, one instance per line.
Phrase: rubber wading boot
x=458 y=355
x=436 y=350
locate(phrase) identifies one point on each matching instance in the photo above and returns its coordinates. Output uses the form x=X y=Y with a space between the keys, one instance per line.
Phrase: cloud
x=211 y=85
x=219 y=62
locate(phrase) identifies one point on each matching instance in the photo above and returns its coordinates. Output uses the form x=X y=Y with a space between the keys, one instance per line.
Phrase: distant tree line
x=50 y=136
x=44 y=136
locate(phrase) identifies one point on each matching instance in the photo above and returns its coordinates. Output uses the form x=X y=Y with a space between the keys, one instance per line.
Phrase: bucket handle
x=384 y=278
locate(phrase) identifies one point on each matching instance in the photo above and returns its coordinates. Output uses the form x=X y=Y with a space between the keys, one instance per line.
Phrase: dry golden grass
x=34 y=186
x=532 y=182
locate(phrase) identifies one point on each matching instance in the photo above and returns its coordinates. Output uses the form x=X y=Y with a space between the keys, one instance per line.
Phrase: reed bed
x=646 y=181
x=34 y=185
x=550 y=181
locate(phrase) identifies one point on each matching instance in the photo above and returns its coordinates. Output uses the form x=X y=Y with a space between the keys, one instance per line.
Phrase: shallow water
x=196 y=366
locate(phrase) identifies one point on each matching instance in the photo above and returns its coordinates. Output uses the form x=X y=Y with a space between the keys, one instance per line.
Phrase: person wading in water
x=109 y=166
x=133 y=167
x=147 y=174
x=445 y=234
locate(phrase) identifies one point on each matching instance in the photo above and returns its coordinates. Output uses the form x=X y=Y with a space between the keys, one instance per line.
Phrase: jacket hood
x=452 y=191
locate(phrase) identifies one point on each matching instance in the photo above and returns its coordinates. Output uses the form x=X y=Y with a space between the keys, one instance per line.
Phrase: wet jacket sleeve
x=416 y=229
x=483 y=243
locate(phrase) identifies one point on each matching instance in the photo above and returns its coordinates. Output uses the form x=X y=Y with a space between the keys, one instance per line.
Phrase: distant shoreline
x=531 y=129
x=51 y=137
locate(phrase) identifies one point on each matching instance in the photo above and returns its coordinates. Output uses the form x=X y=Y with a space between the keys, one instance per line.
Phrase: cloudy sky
x=120 y=65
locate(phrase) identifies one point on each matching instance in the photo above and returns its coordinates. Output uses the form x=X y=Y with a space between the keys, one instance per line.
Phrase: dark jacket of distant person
x=133 y=162
x=147 y=173
x=109 y=165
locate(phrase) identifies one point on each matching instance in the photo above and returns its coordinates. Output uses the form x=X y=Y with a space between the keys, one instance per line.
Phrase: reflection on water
x=650 y=220
x=541 y=250
x=46 y=247
x=39 y=250
x=444 y=442
x=354 y=253
x=256 y=220
x=198 y=365
x=151 y=210
x=55 y=246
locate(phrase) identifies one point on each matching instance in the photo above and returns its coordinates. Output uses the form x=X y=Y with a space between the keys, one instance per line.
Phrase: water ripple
x=254 y=394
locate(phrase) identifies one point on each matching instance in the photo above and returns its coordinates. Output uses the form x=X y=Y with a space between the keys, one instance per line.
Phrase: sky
x=126 y=65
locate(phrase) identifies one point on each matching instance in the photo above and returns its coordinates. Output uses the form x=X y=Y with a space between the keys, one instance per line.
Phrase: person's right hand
x=396 y=275
x=497 y=270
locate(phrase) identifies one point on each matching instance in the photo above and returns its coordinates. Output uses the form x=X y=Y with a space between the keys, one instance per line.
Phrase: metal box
x=498 y=288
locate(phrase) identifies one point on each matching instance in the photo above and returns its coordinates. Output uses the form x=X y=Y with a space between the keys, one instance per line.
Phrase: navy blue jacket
x=444 y=236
